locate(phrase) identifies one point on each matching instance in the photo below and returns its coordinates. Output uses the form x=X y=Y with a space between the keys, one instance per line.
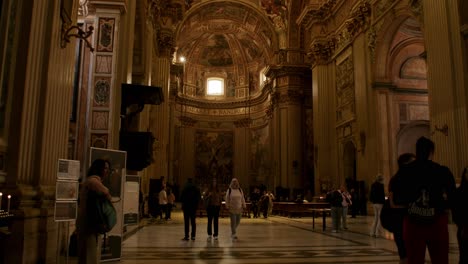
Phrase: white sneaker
x=215 y=238
x=208 y=238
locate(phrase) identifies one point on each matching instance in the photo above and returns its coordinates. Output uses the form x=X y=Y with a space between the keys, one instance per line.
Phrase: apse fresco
x=260 y=154
x=216 y=52
x=213 y=156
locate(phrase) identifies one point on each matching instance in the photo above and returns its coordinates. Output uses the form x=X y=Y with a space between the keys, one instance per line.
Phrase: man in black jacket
x=190 y=198
x=426 y=189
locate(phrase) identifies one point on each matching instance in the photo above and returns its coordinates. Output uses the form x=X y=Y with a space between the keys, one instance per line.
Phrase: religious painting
x=102 y=91
x=260 y=154
x=214 y=156
x=106 y=34
x=216 y=52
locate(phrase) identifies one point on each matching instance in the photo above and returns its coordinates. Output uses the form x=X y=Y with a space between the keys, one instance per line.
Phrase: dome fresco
x=233 y=41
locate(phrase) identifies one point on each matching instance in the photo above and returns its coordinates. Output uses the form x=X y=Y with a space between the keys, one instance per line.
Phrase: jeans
x=336 y=217
x=343 y=217
x=189 y=218
x=235 y=221
x=376 y=226
x=213 y=216
x=434 y=236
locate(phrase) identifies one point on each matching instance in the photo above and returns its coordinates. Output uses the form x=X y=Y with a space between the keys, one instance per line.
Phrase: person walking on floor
x=190 y=198
x=426 y=189
x=213 y=205
x=336 y=203
x=347 y=202
x=235 y=204
x=162 y=200
x=89 y=240
x=398 y=211
x=170 y=203
x=377 y=198
x=460 y=217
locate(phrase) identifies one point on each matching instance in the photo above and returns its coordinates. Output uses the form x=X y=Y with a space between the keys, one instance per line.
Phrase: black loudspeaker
x=139 y=147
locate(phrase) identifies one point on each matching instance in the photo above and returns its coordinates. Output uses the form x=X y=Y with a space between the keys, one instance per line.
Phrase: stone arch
x=409 y=134
x=385 y=36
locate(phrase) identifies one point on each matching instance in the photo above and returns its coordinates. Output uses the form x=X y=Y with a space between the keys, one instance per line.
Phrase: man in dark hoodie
x=190 y=197
x=425 y=188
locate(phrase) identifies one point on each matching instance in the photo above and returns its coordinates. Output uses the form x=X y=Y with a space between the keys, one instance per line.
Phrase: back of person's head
x=424 y=148
x=379 y=178
x=97 y=167
x=405 y=158
x=464 y=179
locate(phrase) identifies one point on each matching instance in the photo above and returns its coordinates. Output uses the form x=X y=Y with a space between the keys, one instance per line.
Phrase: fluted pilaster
x=159 y=117
x=447 y=96
x=323 y=94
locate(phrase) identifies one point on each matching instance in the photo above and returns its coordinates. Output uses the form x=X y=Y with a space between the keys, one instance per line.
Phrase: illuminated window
x=215 y=86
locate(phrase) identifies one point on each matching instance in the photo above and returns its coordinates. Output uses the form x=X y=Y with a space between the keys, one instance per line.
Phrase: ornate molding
x=288 y=97
x=355 y=24
x=165 y=43
x=278 y=71
x=322 y=50
x=417 y=9
x=243 y=122
x=187 y=121
x=316 y=14
x=371 y=42
x=83 y=8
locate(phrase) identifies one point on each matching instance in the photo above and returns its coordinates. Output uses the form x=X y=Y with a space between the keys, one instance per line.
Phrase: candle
x=9 y=198
x=1 y=195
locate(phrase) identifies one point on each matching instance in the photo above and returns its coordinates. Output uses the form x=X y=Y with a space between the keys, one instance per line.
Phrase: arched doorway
x=349 y=161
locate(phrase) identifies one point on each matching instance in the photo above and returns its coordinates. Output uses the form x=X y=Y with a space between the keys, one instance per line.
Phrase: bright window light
x=215 y=86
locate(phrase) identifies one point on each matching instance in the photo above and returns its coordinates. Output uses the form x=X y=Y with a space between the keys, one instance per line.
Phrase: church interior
x=298 y=97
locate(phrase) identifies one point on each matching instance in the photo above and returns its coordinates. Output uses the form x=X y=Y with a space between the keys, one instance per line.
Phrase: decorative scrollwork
x=80 y=34
x=444 y=130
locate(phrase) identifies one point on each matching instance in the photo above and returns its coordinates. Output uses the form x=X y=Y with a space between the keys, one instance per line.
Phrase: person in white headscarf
x=235 y=204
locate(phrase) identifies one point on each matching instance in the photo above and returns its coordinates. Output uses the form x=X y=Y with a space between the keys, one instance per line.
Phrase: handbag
x=391 y=218
x=102 y=215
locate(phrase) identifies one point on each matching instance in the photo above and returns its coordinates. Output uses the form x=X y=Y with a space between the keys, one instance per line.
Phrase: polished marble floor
x=273 y=240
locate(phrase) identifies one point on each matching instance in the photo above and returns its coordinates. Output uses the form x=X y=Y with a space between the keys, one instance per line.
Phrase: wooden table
x=324 y=212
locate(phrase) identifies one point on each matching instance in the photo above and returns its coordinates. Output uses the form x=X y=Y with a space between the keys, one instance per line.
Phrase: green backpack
x=102 y=216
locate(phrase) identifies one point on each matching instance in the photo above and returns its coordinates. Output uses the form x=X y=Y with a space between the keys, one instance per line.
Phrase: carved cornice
x=322 y=50
x=164 y=15
x=187 y=121
x=288 y=97
x=243 y=122
x=417 y=9
x=359 y=18
x=278 y=71
x=314 y=13
x=165 y=43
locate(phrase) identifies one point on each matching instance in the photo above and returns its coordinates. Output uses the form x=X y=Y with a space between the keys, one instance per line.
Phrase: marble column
x=40 y=77
x=289 y=123
x=323 y=96
x=159 y=118
x=446 y=83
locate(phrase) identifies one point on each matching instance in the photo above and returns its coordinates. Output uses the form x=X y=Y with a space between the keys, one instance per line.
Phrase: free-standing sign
x=132 y=191
x=66 y=190
x=112 y=242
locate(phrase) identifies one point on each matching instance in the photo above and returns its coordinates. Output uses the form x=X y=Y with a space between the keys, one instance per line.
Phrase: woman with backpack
x=235 y=204
x=89 y=248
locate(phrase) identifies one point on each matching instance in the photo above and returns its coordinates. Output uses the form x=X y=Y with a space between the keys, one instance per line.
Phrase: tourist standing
x=235 y=203
x=190 y=198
